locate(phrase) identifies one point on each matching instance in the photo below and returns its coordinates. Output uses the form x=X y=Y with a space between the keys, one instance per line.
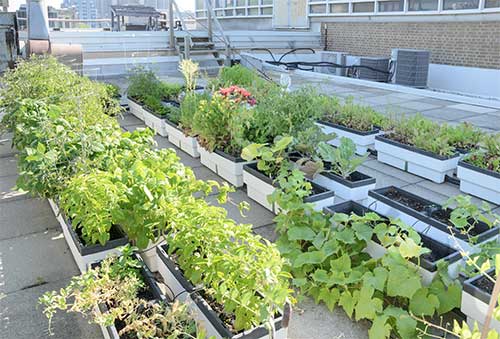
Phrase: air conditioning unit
x=373 y=68
x=411 y=67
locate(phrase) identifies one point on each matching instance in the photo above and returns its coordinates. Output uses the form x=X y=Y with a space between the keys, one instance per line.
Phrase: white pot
x=475 y=304
x=179 y=139
x=413 y=160
x=86 y=255
x=423 y=224
x=348 y=190
x=207 y=158
x=156 y=123
x=226 y=166
x=363 y=140
x=136 y=109
x=479 y=182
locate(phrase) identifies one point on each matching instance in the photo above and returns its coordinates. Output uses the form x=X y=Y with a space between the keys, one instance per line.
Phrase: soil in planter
x=443 y=215
x=485 y=284
x=395 y=195
x=227 y=319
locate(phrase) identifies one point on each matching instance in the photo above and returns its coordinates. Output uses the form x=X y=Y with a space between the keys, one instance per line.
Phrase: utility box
x=411 y=67
x=9 y=40
x=373 y=69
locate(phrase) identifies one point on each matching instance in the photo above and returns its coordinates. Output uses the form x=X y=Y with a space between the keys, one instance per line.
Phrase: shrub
x=487 y=155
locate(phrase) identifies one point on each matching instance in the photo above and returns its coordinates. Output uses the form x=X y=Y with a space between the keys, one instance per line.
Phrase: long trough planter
x=413 y=160
x=476 y=298
x=111 y=332
x=85 y=255
x=363 y=140
x=228 y=167
x=183 y=290
x=354 y=188
x=427 y=264
x=479 y=182
x=177 y=137
x=260 y=186
x=427 y=217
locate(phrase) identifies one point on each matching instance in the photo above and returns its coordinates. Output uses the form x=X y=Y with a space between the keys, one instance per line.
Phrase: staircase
x=203 y=51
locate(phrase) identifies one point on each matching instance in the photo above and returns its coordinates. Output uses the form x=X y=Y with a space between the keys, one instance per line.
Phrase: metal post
x=187 y=46
x=171 y=40
x=209 y=19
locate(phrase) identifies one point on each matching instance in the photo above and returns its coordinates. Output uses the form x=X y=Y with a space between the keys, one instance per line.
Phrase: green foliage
x=117 y=283
x=270 y=158
x=237 y=75
x=189 y=107
x=342 y=160
x=487 y=155
x=464 y=136
x=358 y=117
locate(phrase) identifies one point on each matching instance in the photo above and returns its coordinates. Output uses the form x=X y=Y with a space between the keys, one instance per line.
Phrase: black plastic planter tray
x=356 y=179
x=147 y=109
x=481 y=230
x=229 y=157
x=348 y=129
x=441 y=251
x=470 y=286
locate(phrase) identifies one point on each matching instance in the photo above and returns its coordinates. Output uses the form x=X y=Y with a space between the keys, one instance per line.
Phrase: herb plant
x=341 y=160
x=487 y=156
x=270 y=158
x=465 y=137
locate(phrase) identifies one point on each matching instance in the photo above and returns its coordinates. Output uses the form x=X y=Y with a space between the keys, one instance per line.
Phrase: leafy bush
x=341 y=160
x=270 y=158
x=117 y=283
x=188 y=109
x=487 y=155
x=351 y=115
x=237 y=75
x=464 y=136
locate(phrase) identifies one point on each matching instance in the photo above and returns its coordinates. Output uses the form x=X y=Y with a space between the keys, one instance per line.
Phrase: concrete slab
x=7 y=191
x=438 y=102
x=8 y=166
x=389 y=99
x=34 y=258
x=473 y=108
x=23 y=217
x=21 y=317
x=392 y=171
x=6 y=149
x=134 y=127
x=394 y=110
x=186 y=159
x=129 y=119
x=488 y=121
x=449 y=114
x=257 y=216
x=383 y=180
x=313 y=321
x=267 y=232
x=418 y=105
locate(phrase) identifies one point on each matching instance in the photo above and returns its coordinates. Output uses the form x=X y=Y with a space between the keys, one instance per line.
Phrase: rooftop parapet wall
x=470 y=44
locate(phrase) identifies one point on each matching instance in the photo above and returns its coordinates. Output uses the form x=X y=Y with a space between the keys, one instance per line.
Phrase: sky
x=14 y=4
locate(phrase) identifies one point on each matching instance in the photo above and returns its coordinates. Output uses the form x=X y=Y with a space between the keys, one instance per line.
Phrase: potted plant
x=359 y=123
x=340 y=173
x=463 y=227
x=180 y=130
x=479 y=172
x=272 y=170
x=240 y=286
x=419 y=146
x=220 y=124
x=121 y=295
x=427 y=263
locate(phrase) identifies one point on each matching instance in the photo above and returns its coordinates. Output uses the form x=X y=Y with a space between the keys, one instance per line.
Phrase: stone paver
x=8 y=166
x=449 y=114
x=487 y=121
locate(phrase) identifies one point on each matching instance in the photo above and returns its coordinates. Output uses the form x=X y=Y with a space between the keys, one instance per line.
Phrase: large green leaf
x=367 y=307
x=402 y=282
x=376 y=279
x=423 y=303
x=380 y=328
x=347 y=301
x=314 y=257
x=301 y=233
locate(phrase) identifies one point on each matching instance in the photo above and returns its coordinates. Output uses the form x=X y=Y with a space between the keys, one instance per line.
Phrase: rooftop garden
x=385 y=255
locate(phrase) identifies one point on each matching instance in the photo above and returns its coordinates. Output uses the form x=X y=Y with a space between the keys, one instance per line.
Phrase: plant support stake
x=491 y=307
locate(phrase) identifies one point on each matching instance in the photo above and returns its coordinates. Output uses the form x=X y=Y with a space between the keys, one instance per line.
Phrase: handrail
x=217 y=22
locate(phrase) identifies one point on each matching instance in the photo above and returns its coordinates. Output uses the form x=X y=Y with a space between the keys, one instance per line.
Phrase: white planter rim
x=475 y=291
x=348 y=129
x=385 y=139
x=444 y=252
x=483 y=231
x=147 y=110
x=360 y=179
x=478 y=169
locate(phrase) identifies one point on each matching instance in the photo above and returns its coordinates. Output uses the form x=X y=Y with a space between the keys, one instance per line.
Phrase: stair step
x=200 y=51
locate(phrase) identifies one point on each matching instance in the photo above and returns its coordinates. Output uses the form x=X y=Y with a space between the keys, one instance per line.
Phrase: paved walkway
x=34 y=257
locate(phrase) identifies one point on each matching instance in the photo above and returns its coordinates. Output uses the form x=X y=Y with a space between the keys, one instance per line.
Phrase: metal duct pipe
x=38 y=22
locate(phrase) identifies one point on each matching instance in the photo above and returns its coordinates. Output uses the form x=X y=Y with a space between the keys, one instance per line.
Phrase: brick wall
x=474 y=44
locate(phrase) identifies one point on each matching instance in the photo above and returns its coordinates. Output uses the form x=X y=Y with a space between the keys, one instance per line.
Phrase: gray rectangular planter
x=84 y=255
x=151 y=119
x=363 y=140
x=177 y=137
x=480 y=182
x=411 y=159
x=228 y=167
x=424 y=221
x=182 y=289
x=355 y=189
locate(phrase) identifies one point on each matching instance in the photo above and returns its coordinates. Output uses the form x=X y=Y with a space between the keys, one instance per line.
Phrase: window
x=267 y=2
x=492 y=3
x=253 y=2
x=253 y=11
x=219 y=13
x=240 y=3
x=460 y=4
x=422 y=5
x=200 y=4
x=267 y=11
x=315 y=9
x=339 y=8
x=391 y=6
x=363 y=7
x=240 y=12
x=228 y=12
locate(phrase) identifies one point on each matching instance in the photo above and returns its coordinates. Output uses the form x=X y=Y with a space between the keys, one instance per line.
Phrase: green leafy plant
x=342 y=160
x=270 y=158
x=188 y=109
x=236 y=75
x=190 y=71
x=487 y=155
x=464 y=136
x=117 y=283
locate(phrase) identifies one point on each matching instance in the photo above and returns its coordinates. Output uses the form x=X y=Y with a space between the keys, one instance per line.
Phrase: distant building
x=4 y=5
x=53 y=13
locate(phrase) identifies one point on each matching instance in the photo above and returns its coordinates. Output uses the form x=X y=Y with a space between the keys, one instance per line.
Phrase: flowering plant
x=238 y=94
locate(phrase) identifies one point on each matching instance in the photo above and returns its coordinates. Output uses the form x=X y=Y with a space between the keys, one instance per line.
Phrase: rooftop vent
x=411 y=67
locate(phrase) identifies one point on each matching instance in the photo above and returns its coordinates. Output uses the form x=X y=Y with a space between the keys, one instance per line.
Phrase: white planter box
x=475 y=303
x=425 y=224
x=427 y=269
x=182 y=290
x=155 y=122
x=349 y=190
x=179 y=139
x=226 y=166
x=479 y=182
x=85 y=255
x=259 y=187
x=135 y=108
x=413 y=160
x=363 y=140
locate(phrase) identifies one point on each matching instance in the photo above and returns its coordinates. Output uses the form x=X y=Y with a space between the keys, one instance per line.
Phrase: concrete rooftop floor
x=34 y=257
